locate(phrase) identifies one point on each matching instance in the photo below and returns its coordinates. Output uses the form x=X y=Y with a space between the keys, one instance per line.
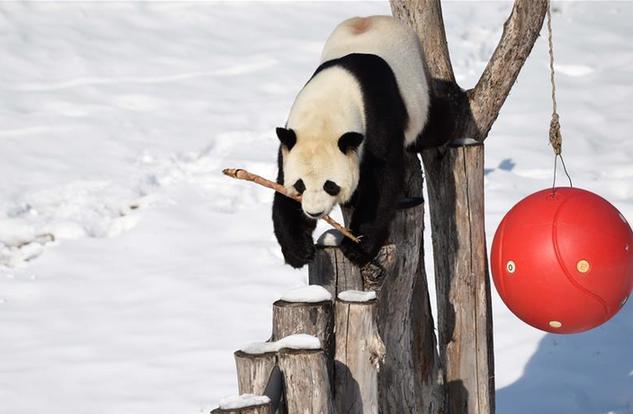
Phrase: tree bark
x=359 y=352
x=409 y=377
x=316 y=319
x=331 y=269
x=306 y=381
x=455 y=176
x=461 y=278
x=253 y=371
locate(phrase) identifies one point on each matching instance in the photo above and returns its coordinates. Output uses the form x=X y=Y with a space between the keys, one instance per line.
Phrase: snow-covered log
x=245 y=404
x=307 y=310
x=359 y=352
x=306 y=381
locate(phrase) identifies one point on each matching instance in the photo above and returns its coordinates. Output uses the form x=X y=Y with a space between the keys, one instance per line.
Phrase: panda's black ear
x=287 y=137
x=350 y=141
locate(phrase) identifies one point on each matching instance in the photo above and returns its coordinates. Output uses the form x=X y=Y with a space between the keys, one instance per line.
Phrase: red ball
x=562 y=260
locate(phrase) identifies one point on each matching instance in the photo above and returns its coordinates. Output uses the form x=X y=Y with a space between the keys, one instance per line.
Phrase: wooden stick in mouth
x=245 y=175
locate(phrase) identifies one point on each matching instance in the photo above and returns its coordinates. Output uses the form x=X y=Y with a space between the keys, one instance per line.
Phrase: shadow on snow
x=587 y=373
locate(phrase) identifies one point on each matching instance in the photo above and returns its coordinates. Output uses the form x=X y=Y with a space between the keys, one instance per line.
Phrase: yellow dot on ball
x=555 y=324
x=583 y=266
x=511 y=266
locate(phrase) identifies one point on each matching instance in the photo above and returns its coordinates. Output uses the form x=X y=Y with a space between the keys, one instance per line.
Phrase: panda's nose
x=315 y=215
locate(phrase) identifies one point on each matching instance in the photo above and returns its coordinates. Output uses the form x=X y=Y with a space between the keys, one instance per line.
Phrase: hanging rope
x=555 y=137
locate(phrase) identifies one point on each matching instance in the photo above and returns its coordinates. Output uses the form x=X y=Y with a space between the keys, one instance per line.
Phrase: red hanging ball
x=562 y=260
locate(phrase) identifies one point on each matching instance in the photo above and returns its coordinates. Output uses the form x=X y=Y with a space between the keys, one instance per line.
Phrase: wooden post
x=359 y=352
x=306 y=381
x=331 y=269
x=316 y=319
x=461 y=278
x=253 y=371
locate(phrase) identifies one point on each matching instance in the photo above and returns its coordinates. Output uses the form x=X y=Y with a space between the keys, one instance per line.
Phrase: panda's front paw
x=357 y=253
x=300 y=253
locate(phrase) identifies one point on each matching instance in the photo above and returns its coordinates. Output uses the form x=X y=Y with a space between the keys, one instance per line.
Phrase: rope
x=555 y=137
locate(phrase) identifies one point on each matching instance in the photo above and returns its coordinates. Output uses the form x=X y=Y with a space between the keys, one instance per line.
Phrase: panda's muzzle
x=315 y=215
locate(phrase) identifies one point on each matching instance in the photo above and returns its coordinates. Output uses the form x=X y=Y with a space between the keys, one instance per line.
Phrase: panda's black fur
x=381 y=169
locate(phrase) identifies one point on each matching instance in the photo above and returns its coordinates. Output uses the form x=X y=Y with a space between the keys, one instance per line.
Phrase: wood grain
x=461 y=278
x=306 y=381
x=253 y=371
x=359 y=353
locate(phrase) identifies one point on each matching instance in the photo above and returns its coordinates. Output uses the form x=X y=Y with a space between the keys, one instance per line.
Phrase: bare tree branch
x=519 y=34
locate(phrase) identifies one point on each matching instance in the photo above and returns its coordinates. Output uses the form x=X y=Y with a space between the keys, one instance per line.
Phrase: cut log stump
x=359 y=352
x=253 y=370
x=306 y=381
x=316 y=319
x=245 y=404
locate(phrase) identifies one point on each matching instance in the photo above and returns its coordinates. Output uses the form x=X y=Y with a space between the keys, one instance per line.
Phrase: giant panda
x=346 y=134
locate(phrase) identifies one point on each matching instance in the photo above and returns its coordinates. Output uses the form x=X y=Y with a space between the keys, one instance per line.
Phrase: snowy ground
x=115 y=120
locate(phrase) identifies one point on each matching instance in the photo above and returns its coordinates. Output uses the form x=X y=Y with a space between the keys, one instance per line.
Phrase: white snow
x=259 y=348
x=297 y=341
x=357 y=296
x=116 y=120
x=330 y=238
x=242 y=401
x=307 y=294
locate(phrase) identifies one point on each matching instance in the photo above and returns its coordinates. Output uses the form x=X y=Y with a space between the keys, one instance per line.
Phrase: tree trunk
x=405 y=322
x=461 y=278
x=455 y=176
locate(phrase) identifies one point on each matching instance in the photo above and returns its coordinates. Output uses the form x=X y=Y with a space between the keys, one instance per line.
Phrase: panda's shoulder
x=368 y=69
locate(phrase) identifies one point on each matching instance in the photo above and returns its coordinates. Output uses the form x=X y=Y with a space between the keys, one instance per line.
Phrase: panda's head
x=324 y=172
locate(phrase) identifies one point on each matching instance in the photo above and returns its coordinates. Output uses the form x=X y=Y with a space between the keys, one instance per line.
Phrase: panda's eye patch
x=331 y=188
x=300 y=186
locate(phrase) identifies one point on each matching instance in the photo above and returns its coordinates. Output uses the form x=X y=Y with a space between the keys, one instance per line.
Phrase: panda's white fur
x=316 y=152
x=398 y=45
x=331 y=104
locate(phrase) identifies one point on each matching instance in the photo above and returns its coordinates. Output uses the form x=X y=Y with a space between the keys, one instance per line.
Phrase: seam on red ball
x=499 y=261
x=559 y=257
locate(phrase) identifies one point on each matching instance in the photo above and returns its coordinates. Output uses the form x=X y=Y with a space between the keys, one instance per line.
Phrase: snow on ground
x=131 y=269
